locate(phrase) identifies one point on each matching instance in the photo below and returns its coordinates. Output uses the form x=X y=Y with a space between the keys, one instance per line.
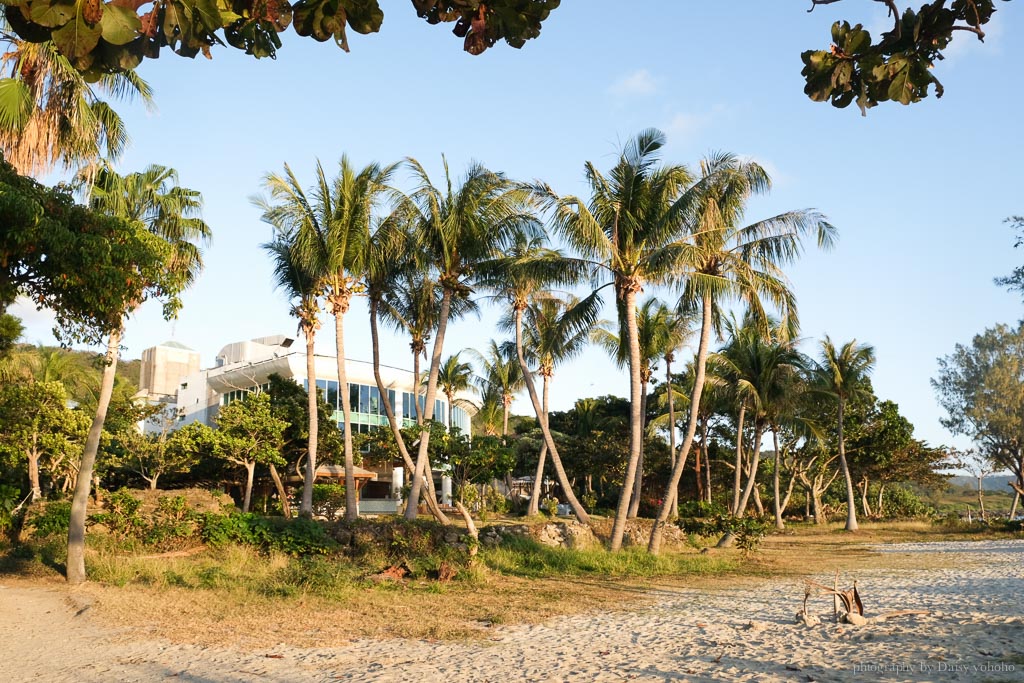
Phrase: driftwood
x=850 y=598
x=851 y=601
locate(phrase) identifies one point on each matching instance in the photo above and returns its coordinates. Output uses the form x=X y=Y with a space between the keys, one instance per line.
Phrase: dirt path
x=974 y=631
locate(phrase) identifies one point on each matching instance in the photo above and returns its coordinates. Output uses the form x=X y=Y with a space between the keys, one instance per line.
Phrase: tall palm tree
x=652 y=323
x=730 y=262
x=632 y=230
x=51 y=116
x=557 y=330
x=456 y=228
x=518 y=277
x=302 y=289
x=332 y=225
x=841 y=373
x=151 y=198
x=454 y=377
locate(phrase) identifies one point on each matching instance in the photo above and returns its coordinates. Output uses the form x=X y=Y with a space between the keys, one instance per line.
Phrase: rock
x=757 y=626
x=854 y=619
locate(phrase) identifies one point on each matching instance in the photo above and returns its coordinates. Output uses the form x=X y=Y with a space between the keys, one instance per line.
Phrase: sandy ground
x=974 y=632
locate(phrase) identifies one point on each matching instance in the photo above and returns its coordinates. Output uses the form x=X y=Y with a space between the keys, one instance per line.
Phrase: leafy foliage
x=898 y=66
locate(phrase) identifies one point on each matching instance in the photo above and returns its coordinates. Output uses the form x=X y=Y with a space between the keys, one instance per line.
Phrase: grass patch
x=525 y=557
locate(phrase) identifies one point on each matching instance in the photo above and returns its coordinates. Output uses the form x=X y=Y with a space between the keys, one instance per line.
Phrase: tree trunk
x=657 y=529
x=422 y=469
x=881 y=489
x=756 y=498
x=707 y=465
x=504 y=421
x=819 y=518
x=1013 y=506
x=738 y=472
x=698 y=469
x=389 y=410
x=306 y=506
x=351 y=500
x=538 y=478
x=152 y=482
x=76 y=526
x=635 y=419
x=776 y=502
x=638 y=483
x=752 y=476
x=286 y=507
x=538 y=409
x=789 y=494
x=865 y=506
x=674 y=501
x=35 y=490
x=250 y=471
x=851 y=505
x=981 y=496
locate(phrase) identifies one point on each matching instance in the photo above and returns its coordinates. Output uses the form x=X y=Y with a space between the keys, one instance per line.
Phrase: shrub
x=748 y=531
x=550 y=506
x=900 y=501
x=701 y=508
x=8 y=502
x=589 y=501
x=495 y=501
x=51 y=519
x=328 y=500
x=121 y=514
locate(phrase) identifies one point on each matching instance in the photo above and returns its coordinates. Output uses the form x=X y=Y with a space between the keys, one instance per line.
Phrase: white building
x=246 y=366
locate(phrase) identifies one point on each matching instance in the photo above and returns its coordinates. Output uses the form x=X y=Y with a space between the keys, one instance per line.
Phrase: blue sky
x=918 y=193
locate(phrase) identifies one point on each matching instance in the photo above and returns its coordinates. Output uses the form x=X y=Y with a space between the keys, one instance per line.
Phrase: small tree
x=249 y=435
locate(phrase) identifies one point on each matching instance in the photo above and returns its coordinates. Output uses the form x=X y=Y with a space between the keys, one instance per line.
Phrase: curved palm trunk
x=707 y=463
x=556 y=461
x=306 y=505
x=673 y=500
x=422 y=469
x=776 y=502
x=416 y=387
x=538 y=478
x=638 y=483
x=389 y=410
x=286 y=507
x=657 y=529
x=76 y=526
x=504 y=420
x=351 y=500
x=737 y=481
x=635 y=420
x=755 y=462
x=851 y=505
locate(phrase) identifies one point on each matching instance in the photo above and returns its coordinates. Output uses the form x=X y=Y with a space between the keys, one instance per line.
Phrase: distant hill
x=994 y=482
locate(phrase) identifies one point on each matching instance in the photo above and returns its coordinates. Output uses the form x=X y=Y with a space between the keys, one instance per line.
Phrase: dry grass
x=237 y=596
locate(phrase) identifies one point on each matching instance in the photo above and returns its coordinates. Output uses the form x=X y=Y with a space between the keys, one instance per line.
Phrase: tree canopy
x=100 y=37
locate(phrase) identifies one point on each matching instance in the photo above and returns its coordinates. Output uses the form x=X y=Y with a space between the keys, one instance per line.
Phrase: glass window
x=391 y=399
x=440 y=415
x=375 y=408
x=353 y=397
x=305 y=385
x=364 y=398
x=332 y=394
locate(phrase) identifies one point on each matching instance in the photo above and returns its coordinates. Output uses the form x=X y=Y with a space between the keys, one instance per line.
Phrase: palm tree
x=454 y=377
x=502 y=375
x=302 y=290
x=332 y=235
x=557 y=330
x=631 y=229
x=519 y=277
x=456 y=228
x=50 y=115
x=151 y=198
x=652 y=322
x=841 y=374
x=732 y=262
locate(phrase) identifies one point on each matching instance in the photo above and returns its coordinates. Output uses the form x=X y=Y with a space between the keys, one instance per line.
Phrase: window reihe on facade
x=239 y=394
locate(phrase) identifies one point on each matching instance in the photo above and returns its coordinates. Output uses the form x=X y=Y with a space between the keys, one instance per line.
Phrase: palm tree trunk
x=674 y=493
x=422 y=468
x=286 y=507
x=634 y=504
x=504 y=421
x=752 y=476
x=698 y=470
x=416 y=387
x=738 y=473
x=76 y=526
x=250 y=471
x=538 y=478
x=556 y=461
x=776 y=503
x=851 y=505
x=351 y=500
x=635 y=419
x=657 y=529
x=789 y=494
x=306 y=506
x=707 y=461
x=389 y=410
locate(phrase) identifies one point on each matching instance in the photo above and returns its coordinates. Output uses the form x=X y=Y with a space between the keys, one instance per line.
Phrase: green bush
x=748 y=531
x=121 y=515
x=701 y=508
x=50 y=519
x=173 y=523
x=902 y=502
x=328 y=500
x=550 y=506
x=8 y=502
x=589 y=501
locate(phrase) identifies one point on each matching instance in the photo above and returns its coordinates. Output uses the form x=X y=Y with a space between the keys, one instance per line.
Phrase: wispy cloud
x=638 y=83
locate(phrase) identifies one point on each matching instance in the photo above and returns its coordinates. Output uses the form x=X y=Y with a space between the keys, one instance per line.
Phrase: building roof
x=176 y=345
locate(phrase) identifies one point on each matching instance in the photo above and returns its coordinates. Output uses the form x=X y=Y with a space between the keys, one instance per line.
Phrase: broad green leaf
x=76 y=38
x=901 y=88
x=856 y=41
x=15 y=104
x=119 y=25
x=51 y=14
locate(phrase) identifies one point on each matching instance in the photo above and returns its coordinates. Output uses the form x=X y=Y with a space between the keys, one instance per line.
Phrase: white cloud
x=640 y=82
x=685 y=126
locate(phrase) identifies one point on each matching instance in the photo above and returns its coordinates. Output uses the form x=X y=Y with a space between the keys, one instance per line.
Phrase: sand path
x=974 y=632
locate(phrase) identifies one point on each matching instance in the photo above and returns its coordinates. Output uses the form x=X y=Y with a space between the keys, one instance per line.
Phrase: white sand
x=974 y=632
